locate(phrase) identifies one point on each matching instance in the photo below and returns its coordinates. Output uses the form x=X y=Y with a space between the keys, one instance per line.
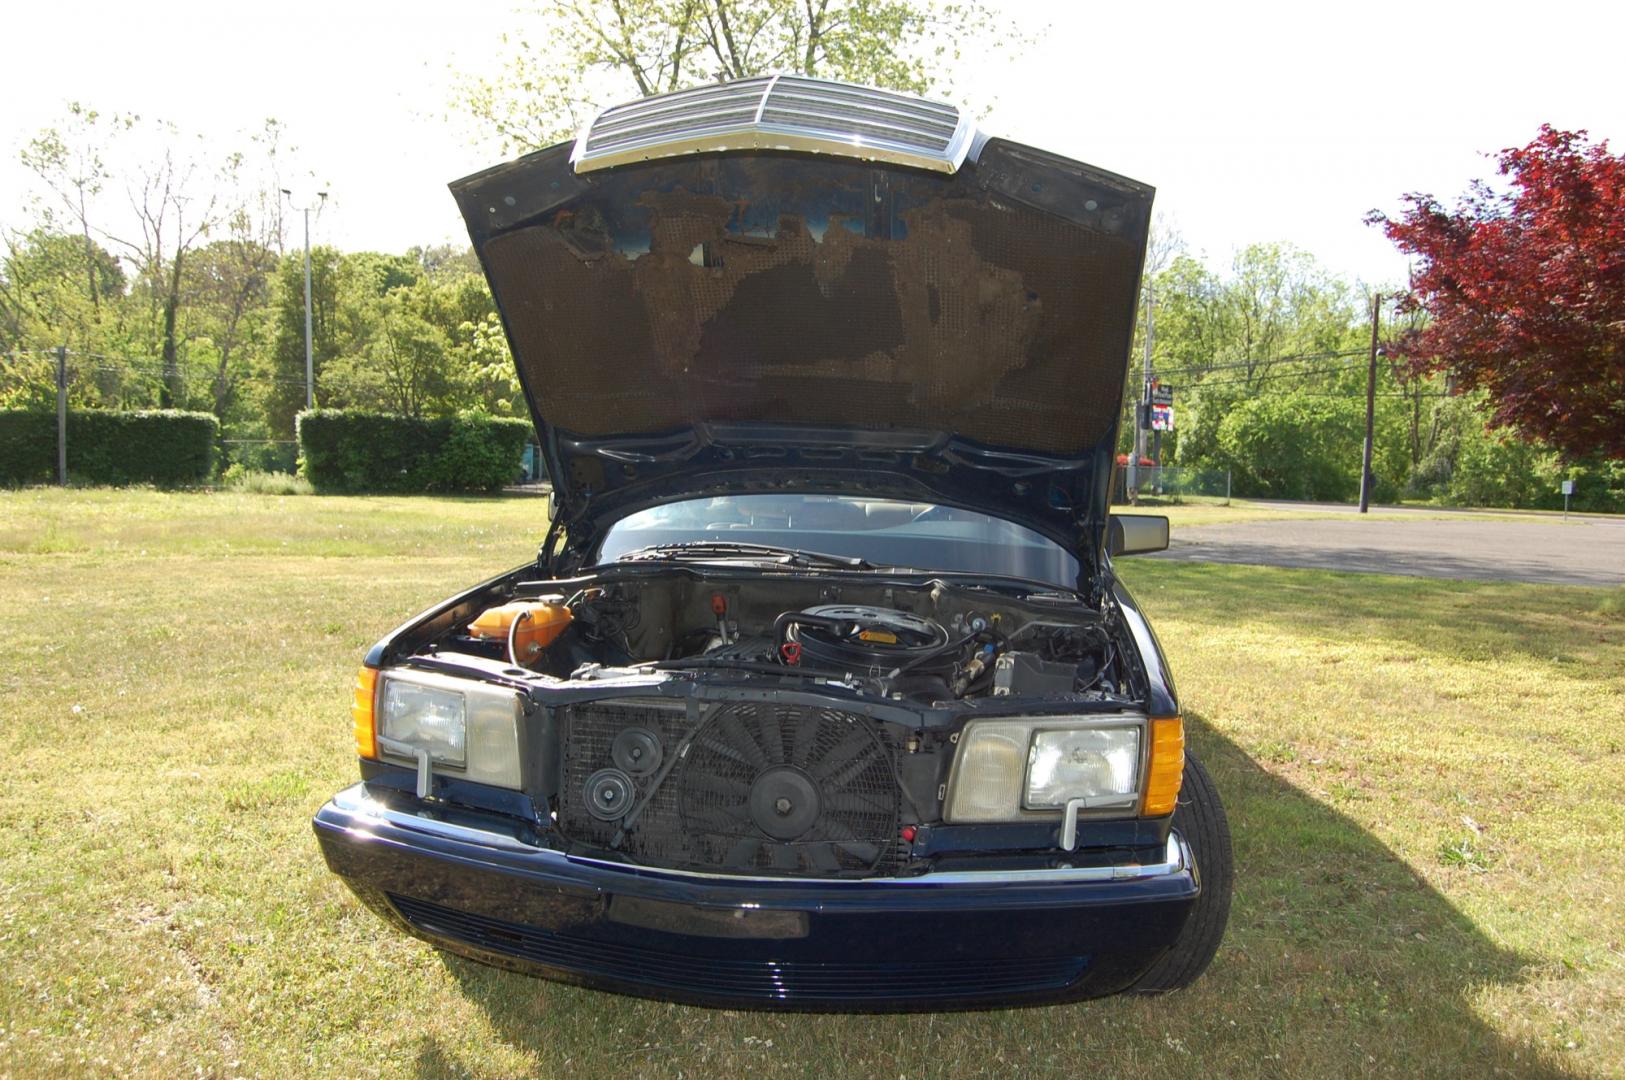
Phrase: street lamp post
x=310 y=362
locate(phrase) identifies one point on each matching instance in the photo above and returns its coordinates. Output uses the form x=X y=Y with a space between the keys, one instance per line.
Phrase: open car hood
x=933 y=317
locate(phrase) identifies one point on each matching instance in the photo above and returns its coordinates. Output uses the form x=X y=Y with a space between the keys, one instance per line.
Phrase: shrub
x=349 y=451
x=261 y=455
x=254 y=482
x=163 y=447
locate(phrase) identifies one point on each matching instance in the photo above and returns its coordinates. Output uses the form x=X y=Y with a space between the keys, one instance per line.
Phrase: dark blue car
x=821 y=692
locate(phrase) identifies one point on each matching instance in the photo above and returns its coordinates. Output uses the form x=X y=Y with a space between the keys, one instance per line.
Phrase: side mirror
x=1136 y=534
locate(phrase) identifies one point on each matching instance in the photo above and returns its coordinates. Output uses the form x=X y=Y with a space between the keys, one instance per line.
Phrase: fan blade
x=713 y=742
x=772 y=737
x=865 y=853
x=821 y=858
x=716 y=784
x=850 y=802
x=850 y=771
x=806 y=738
x=743 y=853
x=721 y=819
x=742 y=740
x=855 y=744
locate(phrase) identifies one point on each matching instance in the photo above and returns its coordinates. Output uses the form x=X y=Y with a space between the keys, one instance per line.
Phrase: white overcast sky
x=1255 y=122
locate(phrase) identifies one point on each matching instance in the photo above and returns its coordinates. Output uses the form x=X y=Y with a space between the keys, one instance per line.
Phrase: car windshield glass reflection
x=920 y=536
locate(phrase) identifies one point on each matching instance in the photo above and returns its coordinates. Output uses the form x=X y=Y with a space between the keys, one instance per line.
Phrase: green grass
x=1422 y=776
x=1210 y=512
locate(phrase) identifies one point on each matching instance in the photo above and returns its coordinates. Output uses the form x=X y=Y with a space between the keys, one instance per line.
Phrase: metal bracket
x=407 y=750
x=1069 y=824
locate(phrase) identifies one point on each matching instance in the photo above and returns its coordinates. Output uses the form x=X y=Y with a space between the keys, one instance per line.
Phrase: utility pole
x=1144 y=405
x=310 y=362
x=1370 y=408
x=1150 y=336
x=62 y=415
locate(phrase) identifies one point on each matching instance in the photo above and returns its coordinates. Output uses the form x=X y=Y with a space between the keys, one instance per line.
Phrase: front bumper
x=965 y=939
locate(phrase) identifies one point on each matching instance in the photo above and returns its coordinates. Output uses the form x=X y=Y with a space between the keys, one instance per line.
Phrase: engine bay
x=924 y=642
x=742 y=720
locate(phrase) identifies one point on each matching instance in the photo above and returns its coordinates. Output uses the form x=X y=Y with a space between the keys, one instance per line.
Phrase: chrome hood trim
x=784 y=112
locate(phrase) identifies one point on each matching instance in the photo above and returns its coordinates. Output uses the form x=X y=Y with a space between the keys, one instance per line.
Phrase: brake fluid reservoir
x=544 y=620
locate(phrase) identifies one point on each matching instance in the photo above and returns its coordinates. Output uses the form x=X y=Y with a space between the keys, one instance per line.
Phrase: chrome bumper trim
x=1176 y=856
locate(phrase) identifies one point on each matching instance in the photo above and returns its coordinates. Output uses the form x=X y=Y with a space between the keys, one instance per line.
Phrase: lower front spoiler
x=959 y=940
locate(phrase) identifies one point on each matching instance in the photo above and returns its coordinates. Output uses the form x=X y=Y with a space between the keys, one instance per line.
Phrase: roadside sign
x=1161 y=395
x=1162 y=417
x=1568 y=487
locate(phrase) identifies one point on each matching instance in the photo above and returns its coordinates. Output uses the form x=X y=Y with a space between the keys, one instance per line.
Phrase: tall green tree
x=284 y=368
x=50 y=294
x=569 y=56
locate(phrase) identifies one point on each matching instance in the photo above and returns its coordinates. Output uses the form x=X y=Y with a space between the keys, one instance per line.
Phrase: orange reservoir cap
x=541 y=622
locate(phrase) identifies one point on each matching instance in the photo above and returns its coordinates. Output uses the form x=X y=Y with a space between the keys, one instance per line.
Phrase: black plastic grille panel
x=782 y=981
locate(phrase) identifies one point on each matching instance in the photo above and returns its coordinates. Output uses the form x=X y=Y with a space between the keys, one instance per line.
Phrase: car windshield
x=887 y=533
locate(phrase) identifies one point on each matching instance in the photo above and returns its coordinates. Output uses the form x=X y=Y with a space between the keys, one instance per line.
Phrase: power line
x=1271 y=376
x=1265 y=362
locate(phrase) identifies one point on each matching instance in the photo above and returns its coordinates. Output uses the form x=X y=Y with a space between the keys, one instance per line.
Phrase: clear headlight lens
x=988 y=772
x=1011 y=770
x=464 y=724
x=431 y=719
x=1084 y=763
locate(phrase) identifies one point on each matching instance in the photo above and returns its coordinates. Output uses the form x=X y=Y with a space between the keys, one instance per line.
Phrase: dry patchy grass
x=1421 y=775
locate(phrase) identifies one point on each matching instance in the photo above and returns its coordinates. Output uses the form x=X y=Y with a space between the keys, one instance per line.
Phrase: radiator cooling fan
x=788 y=788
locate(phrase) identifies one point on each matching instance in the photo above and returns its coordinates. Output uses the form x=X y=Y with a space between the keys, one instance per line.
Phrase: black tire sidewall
x=1200 y=819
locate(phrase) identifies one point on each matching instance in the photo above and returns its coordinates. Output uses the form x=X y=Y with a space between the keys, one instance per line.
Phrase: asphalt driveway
x=1588 y=551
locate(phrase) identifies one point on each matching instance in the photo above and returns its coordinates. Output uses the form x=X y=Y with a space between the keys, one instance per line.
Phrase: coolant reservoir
x=544 y=620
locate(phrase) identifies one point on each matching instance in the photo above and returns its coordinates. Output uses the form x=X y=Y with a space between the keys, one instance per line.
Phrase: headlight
x=1011 y=770
x=426 y=718
x=463 y=725
x=1083 y=763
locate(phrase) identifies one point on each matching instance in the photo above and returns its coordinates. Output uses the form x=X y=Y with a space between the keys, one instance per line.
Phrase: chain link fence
x=1155 y=484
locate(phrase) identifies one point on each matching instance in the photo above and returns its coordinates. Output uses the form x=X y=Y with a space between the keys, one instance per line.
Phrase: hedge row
x=164 y=447
x=345 y=451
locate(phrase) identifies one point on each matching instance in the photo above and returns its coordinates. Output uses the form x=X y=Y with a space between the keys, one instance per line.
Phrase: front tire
x=1200 y=819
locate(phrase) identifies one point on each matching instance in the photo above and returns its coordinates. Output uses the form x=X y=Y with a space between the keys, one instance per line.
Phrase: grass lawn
x=1423 y=778
x=1200 y=511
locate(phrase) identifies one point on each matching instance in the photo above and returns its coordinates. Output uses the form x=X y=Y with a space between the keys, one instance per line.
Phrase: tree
x=54 y=292
x=68 y=161
x=571 y=53
x=1524 y=288
x=228 y=281
x=405 y=367
x=172 y=218
x=285 y=368
x=229 y=284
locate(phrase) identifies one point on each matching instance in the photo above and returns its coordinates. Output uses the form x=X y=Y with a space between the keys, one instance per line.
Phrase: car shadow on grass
x=1340 y=960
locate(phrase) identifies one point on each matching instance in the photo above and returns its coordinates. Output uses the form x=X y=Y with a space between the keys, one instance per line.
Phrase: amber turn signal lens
x=362 y=695
x=1167 y=769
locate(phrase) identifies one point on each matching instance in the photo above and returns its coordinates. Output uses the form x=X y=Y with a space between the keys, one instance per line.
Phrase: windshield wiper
x=711 y=549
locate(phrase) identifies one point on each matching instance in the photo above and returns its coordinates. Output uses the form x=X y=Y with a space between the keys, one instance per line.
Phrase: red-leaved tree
x=1524 y=289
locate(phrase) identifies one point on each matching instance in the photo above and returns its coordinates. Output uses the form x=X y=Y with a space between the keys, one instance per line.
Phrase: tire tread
x=1201 y=820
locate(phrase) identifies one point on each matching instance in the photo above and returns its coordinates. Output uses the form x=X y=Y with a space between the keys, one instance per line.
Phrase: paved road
x=1580 y=552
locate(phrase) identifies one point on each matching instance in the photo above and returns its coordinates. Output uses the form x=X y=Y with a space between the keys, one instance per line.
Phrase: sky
x=1256 y=122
